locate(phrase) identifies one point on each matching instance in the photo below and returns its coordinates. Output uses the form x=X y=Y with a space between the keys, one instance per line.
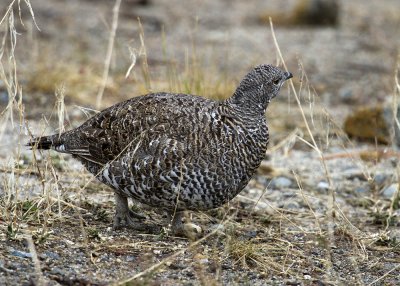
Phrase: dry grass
x=57 y=208
x=80 y=83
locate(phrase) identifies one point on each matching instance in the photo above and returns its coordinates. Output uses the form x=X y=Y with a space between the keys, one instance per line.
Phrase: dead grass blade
x=110 y=47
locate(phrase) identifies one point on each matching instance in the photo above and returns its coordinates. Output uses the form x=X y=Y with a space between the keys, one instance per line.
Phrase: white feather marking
x=106 y=175
x=162 y=178
x=114 y=183
x=60 y=148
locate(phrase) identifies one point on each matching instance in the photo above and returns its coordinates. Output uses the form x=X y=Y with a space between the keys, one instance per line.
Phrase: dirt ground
x=323 y=208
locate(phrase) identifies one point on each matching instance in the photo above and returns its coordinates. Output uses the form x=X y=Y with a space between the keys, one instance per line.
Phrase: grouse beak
x=288 y=75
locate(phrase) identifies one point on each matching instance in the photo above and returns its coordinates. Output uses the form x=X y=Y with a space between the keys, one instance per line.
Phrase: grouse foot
x=126 y=217
x=178 y=228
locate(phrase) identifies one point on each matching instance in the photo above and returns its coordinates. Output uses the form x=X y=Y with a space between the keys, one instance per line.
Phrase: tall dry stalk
x=109 y=53
x=331 y=202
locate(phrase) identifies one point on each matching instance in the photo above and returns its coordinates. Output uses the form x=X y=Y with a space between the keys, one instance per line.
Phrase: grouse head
x=259 y=86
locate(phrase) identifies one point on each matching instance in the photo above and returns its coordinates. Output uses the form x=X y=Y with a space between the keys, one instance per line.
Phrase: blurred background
x=346 y=50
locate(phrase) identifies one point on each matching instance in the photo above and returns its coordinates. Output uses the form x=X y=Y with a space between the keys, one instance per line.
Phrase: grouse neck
x=250 y=103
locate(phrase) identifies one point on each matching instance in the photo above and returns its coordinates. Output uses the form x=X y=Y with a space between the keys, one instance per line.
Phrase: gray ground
x=300 y=221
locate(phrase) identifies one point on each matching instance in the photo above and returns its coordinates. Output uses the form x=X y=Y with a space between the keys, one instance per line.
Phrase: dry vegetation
x=330 y=225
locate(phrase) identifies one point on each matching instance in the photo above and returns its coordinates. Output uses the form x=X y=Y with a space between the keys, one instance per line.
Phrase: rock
x=292 y=205
x=263 y=208
x=104 y=257
x=57 y=271
x=52 y=255
x=307 y=13
x=390 y=191
x=4 y=268
x=388 y=115
x=21 y=254
x=4 y=98
x=280 y=183
x=251 y=199
x=262 y=180
x=266 y=169
x=250 y=234
x=323 y=186
x=137 y=2
x=368 y=123
x=200 y=258
x=14 y=267
x=361 y=190
x=192 y=230
x=372 y=123
x=380 y=179
x=373 y=155
x=347 y=95
x=354 y=174
x=177 y=266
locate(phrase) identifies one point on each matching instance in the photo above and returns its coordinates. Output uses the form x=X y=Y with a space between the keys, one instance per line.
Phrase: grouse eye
x=276 y=82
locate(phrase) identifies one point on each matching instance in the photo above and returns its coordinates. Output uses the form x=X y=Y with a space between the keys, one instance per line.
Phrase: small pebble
x=354 y=174
x=390 y=191
x=380 y=179
x=323 y=186
x=17 y=266
x=262 y=180
x=251 y=234
x=177 y=266
x=4 y=97
x=21 y=254
x=57 y=271
x=264 y=208
x=280 y=183
x=346 y=95
x=361 y=190
x=201 y=258
x=52 y=255
x=292 y=205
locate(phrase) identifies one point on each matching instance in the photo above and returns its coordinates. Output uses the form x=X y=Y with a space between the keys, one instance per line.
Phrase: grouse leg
x=123 y=215
x=189 y=230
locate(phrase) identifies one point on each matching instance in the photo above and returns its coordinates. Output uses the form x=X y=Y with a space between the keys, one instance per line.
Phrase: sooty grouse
x=176 y=152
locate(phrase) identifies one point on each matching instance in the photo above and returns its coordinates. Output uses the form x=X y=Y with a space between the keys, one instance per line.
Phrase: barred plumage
x=176 y=151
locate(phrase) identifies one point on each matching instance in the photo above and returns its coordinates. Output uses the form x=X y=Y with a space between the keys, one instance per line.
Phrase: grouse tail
x=44 y=142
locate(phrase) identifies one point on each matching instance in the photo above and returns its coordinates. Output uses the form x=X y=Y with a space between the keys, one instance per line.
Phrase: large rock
x=307 y=12
x=370 y=123
x=389 y=115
